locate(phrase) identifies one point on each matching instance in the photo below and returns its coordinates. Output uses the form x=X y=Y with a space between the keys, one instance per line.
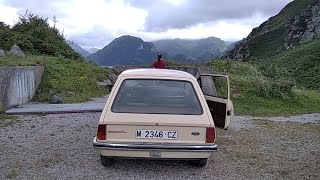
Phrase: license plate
x=154 y=134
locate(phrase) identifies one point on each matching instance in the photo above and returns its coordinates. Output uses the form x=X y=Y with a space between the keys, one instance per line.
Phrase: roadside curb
x=56 y=108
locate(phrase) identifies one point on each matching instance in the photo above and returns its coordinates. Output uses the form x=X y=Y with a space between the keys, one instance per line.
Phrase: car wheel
x=200 y=162
x=106 y=161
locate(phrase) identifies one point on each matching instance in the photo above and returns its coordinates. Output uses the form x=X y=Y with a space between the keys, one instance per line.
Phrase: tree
x=6 y=36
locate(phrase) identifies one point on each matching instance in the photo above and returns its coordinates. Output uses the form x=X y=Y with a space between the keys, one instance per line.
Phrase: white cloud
x=9 y=15
x=175 y=2
x=114 y=16
x=229 y=30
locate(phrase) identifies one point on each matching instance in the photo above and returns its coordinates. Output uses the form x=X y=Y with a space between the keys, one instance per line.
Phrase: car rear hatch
x=156 y=128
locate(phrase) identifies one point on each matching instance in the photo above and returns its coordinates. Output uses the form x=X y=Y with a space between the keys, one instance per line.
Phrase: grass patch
x=13 y=174
x=300 y=102
x=73 y=79
x=9 y=122
x=6 y=116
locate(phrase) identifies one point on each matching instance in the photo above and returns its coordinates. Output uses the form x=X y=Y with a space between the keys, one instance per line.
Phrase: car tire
x=106 y=161
x=200 y=162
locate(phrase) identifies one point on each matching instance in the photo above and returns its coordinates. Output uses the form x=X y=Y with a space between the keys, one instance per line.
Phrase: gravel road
x=59 y=146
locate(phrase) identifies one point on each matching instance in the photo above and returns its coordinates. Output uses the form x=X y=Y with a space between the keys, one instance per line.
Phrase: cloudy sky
x=94 y=23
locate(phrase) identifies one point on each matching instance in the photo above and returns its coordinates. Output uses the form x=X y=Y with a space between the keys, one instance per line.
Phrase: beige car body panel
x=125 y=124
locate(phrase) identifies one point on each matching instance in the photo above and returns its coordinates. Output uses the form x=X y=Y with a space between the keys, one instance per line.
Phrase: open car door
x=216 y=90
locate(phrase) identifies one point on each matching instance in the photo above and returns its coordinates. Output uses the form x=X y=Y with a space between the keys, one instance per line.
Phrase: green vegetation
x=268 y=44
x=265 y=92
x=303 y=64
x=34 y=36
x=73 y=79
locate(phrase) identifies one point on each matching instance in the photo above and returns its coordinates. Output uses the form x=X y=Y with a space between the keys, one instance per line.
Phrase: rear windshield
x=150 y=96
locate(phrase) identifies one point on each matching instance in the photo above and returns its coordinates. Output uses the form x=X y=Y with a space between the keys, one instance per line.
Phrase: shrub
x=262 y=80
x=267 y=87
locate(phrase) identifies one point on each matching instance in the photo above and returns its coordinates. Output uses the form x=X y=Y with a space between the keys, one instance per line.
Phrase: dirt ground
x=59 y=146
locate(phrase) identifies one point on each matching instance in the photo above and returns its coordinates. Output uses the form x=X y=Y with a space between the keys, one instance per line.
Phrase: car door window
x=216 y=86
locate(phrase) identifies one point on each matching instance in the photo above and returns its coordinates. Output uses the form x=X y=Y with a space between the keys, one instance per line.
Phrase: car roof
x=152 y=72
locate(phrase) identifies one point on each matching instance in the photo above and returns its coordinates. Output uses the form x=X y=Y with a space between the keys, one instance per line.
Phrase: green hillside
x=303 y=64
x=73 y=79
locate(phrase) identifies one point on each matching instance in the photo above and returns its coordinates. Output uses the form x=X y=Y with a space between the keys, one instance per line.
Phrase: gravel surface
x=59 y=146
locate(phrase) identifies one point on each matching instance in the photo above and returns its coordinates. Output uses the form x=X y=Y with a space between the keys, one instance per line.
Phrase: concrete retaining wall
x=195 y=71
x=18 y=85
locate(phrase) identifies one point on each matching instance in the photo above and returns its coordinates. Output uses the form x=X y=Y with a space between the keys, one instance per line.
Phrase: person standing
x=159 y=62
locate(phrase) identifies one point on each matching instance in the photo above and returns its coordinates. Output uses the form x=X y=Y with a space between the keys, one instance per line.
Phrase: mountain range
x=130 y=50
x=127 y=50
x=192 y=50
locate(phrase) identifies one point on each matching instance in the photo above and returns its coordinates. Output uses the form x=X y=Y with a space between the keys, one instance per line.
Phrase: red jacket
x=159 y=64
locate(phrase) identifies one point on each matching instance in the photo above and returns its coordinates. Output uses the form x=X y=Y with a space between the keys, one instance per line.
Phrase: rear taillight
x=210 y=135
x=102 y=133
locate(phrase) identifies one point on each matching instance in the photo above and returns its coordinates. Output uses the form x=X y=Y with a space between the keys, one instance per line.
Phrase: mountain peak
x=126 y=50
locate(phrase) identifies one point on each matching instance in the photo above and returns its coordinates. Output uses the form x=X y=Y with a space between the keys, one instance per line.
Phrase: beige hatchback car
x=163 y=114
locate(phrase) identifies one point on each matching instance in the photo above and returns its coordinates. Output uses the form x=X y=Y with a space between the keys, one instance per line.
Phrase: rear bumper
x=154 y=147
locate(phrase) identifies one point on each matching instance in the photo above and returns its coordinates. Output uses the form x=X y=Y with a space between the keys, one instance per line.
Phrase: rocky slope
x=297 y=23
x=305 y=26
